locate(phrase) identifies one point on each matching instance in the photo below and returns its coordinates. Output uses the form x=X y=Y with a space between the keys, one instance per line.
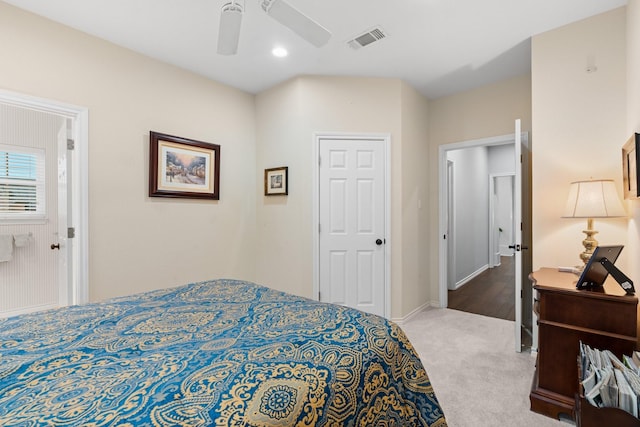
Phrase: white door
x=352 y=223
x=33 y=153
x=517 y=225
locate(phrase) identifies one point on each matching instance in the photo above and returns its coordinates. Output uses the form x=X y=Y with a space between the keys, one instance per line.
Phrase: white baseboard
x=505 y=251
x=402 y=320
x=470 y=277
x=30 y=309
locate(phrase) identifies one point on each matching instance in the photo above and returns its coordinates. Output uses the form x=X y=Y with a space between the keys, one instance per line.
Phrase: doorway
x=465 y=240
x=351 y=217
x=44 y=232
x=492 y=291
x=480 y=188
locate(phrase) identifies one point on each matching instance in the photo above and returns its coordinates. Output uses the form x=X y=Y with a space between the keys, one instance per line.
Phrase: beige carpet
x=477 y=376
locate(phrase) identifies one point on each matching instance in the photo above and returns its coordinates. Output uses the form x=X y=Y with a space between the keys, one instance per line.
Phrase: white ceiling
x=440 y=47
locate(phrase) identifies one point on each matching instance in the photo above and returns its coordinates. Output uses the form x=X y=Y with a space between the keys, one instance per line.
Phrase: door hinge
x=319 y=229
x=319 y=296
x=71 y=144
x=71 y=232
x=319 y=161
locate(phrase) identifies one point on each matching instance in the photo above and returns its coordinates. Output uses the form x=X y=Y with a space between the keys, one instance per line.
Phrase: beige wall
x=136 y=242
x=483 y=112
x=287 y=118
x=283 y=241
x=416 y=290
x=480 y=113
x=633 y=125
x=578 y=129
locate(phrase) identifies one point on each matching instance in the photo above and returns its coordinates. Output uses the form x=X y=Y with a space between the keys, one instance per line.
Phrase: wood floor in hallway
x=491 y=293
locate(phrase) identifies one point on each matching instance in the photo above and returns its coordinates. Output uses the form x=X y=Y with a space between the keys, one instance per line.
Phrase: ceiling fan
x=281 y=11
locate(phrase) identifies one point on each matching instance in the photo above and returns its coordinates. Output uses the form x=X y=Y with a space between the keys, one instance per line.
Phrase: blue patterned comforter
x=216 y=353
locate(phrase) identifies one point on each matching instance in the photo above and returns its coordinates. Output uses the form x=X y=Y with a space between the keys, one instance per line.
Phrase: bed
x=214 y=353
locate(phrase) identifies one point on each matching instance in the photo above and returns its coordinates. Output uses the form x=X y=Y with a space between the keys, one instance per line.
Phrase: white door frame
x=78 y=158
x=450 y=229
x=442 y=200
x=386 y=139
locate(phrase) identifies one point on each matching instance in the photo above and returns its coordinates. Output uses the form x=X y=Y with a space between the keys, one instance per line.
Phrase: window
x=22 y=183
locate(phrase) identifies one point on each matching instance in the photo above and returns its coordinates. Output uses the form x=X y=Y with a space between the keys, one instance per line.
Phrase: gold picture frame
x=276 y=181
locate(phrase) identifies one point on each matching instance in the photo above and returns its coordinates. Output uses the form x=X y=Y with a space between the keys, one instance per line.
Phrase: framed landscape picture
x=276 y=181
x=181 y=167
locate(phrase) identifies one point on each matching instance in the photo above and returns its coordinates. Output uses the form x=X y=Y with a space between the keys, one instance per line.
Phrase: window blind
x=22 y=183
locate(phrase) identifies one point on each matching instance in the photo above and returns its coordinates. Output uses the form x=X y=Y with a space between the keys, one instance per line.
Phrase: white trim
x=460 y=283
x=80 y=159
x=80 y=204
x=40 y=104
x=505 y=251
x=442 y=201
x=400 y=321
x=517 y=237
x=450 y=220
x=30 y=309
x=386 y=139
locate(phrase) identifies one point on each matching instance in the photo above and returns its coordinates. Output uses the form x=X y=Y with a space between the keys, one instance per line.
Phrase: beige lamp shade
x=593 y=199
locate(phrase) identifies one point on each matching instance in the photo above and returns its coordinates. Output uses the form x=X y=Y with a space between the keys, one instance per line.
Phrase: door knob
x=378 y=242
x=56 y=246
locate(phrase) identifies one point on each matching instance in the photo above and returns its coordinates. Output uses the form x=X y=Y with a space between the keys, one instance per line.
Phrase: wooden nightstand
x=604 y=319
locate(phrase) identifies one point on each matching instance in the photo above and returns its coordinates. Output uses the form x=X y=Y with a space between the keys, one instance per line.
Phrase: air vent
x=367 y=38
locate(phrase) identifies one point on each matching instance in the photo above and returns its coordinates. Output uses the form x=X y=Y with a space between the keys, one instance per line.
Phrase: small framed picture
x=276 y=181
x=181 y=167
x=630 y=160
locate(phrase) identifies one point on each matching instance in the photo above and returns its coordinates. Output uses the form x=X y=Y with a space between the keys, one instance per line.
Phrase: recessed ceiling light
x=279 y=52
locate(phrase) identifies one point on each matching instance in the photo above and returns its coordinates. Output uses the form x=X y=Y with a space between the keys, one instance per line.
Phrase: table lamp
x=593 y=199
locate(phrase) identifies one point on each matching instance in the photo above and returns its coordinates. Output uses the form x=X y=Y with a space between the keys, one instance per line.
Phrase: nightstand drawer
x=608 y=315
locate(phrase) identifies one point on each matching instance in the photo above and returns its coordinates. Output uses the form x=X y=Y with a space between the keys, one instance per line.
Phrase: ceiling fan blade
x=299 y=23
x=229 y=31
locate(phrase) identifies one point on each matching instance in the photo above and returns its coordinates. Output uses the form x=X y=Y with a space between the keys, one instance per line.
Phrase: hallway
x=491 y=293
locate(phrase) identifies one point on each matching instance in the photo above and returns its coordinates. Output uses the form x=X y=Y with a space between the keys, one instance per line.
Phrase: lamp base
x=590 y=244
